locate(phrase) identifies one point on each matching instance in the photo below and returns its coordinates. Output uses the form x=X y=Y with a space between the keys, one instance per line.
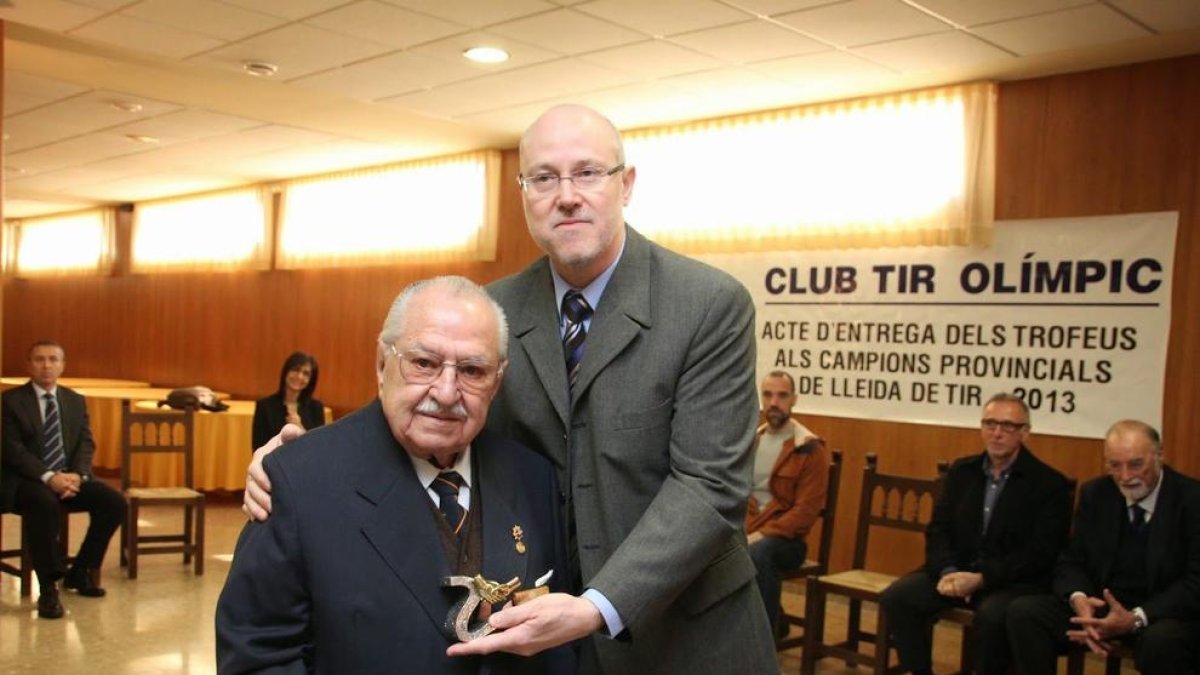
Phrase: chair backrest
x=829 y=513
x=896 y=502
x=157 y=431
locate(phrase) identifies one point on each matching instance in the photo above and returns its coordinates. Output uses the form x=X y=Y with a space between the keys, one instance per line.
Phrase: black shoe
x=83 y=581
x=49 y=606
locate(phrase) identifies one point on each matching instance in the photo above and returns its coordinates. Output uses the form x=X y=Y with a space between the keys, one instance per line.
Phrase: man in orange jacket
x=791 y=475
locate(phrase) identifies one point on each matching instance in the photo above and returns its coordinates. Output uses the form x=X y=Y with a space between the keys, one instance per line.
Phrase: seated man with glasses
x=372 y=512
x=996 y=530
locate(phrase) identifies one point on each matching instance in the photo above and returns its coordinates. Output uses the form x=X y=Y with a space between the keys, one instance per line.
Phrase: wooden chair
x=888 y=501
x=23 y=569
x=821 y=564
x=157 y=433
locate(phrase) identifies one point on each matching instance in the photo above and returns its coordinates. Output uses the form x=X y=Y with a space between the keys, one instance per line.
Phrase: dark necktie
x=1139 y=518
x=446 y=486
x=52 y=440
x=576 y=309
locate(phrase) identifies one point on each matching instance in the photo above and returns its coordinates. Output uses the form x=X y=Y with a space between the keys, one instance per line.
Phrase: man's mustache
x=428 y=406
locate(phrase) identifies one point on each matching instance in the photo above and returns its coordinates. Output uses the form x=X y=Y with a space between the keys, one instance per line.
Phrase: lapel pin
x=519 y=536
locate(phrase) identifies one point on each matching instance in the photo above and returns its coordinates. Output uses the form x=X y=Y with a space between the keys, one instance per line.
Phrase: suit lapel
x=536 y=330
x=1162 y=526
x=497 y=486
x=400 y=528
x=623 y=312
x=27 y=400
x=71 y=418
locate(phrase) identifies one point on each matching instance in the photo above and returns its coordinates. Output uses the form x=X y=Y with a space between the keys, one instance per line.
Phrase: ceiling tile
x=124 y=31
x=665 y=17
x=926 y=53
x=107 y=5
x=437 y=103
x=861 y=22
x=567 y=31
x=773 y=7
x=976 y=12
x=749 y=41
x=385 y=24
x=50 y=14
x=297 y=49
x=186 y=125
x=214 y=19
x=1165 y=16
x=652 y=59
x=1061 y=30
x=78 y=150
x=476 y=13
x=74 y=116
x=155 y=186
x=388 y=75
x=288 y=9
x=733 y=90
x=314 y=159
x=826 y=75
x=24 y=92
x=563 y=77
x=28 y=208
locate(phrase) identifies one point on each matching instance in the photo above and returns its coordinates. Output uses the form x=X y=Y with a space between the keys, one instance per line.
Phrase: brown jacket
x=799 y=481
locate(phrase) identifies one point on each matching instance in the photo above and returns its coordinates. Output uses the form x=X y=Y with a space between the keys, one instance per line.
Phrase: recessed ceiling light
x=138 y=138
x=486 y=54
x=126 y=106
x=260 y=68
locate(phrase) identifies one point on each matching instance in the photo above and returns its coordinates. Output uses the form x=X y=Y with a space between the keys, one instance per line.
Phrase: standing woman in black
x=292 y=403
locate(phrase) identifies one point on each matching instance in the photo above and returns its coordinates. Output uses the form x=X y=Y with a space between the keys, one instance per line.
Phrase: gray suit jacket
x=657 y=465
x=22 y=437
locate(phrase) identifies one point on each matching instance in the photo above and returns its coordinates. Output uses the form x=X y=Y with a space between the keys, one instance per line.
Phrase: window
x=436 y=210
x=72 y=243
x=226 y=230
x=906 y=169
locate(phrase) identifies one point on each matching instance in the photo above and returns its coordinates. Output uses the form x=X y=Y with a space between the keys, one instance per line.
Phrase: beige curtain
x=219 y=231
x=430 y=211
x=59 y=245
x=914 y=168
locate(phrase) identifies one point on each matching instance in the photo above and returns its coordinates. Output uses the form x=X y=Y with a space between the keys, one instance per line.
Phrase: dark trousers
x=1038 y=626
x=773 y=557
x=40 y=509
x=910 y=605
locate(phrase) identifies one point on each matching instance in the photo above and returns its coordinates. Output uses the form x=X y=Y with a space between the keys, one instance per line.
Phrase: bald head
x=577 y=119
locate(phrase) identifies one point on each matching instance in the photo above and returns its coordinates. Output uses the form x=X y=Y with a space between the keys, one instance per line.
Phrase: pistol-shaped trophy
x=464 y=621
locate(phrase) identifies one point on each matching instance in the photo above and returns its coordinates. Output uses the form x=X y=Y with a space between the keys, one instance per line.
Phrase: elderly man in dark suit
x=995 y=532
x=373 y=511
x=1131 y=572
x=632 y=369
x=47 y=451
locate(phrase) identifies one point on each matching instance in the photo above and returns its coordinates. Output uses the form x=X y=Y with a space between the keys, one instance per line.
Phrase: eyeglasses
x=1009 y=427
x=587 y=178
x=421 y=367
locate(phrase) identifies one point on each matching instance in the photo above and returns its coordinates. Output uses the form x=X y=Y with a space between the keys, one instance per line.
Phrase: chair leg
x=187 y=535
x=131 y=540
x=814 y=629
x=1112 y=665
x=26 y=564
x=1075 y=662
x=199 y=538
x=883 y=643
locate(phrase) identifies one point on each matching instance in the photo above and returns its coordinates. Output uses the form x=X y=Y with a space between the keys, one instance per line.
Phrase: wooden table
x=222 y=453
x=76 y=382
x=104 y=413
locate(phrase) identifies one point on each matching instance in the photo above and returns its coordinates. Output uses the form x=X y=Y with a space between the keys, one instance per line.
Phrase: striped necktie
x=52 y=440
x=576 y=309
x=446 y=486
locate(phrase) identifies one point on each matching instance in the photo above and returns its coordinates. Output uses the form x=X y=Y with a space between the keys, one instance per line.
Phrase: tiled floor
x=163 y=621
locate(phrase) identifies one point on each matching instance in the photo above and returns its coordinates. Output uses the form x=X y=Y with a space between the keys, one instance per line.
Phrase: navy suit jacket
x=22 y=437
x=1027 y=529
x=1172 y=552
x=344 y=577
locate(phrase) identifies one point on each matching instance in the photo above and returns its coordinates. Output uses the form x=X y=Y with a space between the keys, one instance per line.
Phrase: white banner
x=1070 y=314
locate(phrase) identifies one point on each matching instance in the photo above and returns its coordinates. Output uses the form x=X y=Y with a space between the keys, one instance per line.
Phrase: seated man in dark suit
x=994 y=535
x=47 y=450
x=372 y=512
x=1131 y=572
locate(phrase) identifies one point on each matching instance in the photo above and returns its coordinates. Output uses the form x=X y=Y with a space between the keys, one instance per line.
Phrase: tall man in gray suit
x=632 y=368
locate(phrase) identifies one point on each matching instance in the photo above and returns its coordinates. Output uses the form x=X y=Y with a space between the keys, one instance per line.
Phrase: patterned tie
x=576 y=309
x=446 y=485
x=52 y=440
x=1139 y=518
